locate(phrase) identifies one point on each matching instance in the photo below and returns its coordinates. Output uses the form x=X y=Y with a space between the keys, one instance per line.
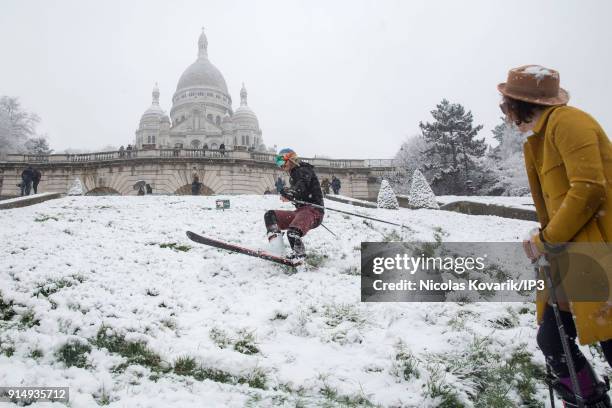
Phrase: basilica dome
x=202 y=73
x=244 y=114
x=155 y=112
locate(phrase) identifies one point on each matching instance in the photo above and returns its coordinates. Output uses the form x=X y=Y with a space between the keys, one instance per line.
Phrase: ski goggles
x=279 y=159
x=282 y=159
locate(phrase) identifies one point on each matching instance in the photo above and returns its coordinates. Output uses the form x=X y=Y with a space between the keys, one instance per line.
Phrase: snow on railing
x=190 y=153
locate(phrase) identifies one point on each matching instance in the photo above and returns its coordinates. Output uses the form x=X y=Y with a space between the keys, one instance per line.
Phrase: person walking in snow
x=335 y=184
x=303 y=186
x=280 y=184
x=568 y=159
x=36 y=176
x=27 y=176
x=325 y=185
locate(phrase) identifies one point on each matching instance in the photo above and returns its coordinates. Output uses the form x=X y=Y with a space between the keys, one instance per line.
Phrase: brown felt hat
x=535 y=84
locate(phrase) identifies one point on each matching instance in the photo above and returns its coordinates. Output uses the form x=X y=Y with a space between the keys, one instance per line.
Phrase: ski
x=241 y=250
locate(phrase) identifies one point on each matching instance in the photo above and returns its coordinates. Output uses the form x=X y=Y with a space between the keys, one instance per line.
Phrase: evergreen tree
x=421 y=195
x=453 y=152
x=386 y=197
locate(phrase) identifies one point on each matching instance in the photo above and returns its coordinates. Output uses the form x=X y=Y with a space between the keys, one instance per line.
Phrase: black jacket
x=305 y=184
x=27 y=175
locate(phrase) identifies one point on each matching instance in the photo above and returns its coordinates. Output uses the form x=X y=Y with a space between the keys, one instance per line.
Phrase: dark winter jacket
x=36 y=176
x=336 y=183
x=27 y=175
x=305 y=185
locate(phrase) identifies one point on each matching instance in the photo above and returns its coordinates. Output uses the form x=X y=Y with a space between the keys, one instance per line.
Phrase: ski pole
x=330 y=231
x=542 y=264
x=349 y=213
x=550 y=388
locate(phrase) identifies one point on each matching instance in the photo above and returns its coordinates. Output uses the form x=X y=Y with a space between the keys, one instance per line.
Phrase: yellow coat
x=569 y=166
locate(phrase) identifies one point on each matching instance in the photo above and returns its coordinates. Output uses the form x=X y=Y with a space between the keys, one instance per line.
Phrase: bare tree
x=16 y=125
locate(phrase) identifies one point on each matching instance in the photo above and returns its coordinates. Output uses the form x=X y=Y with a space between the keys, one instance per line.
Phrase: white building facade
x=201 y=115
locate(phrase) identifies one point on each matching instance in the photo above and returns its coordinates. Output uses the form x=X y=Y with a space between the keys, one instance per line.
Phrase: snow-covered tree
x=386 y=197
x=38 y=145
x=17 y=126
x=421 y=195
x=408 y=159
x=506 y=164
x=76 y=188
x=451 y=157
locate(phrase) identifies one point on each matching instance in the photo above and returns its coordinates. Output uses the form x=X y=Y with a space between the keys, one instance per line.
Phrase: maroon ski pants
x=304 y=219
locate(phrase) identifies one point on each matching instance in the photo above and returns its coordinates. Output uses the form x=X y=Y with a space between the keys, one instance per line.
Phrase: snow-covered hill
x=106 y=295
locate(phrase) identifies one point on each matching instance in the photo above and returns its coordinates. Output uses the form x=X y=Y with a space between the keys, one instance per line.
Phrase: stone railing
x=187 y=153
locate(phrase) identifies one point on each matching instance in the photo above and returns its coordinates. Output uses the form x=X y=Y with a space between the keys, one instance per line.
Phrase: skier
x=303 y=186
x=569 y=166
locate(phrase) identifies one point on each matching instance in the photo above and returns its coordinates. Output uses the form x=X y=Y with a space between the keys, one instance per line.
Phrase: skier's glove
x=288 y=193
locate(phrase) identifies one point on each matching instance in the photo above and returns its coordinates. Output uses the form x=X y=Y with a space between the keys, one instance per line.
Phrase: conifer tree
x=451 y=158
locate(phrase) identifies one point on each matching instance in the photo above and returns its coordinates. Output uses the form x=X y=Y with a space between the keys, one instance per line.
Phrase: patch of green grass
x=175 y=246
x=315 y=260
x=185 y=366
x=102 y=397
x=6 y=309
x=36 y=353
x=506 y=322
x=74 y=354
x=280 y=316
x=51 y=286
x=7 y=349
x=339 y=313
x=351 y=270
x=43 y=218
x=392 y=236
x=219 y=337
x=439 y=234
x=135 y=352
x=246 y=343
x=405 y=364
x=437 y=388
x=332 y=396
x=497 y=382
x=28 y=319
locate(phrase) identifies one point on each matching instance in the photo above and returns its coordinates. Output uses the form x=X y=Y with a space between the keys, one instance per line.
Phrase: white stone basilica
x=201 y=114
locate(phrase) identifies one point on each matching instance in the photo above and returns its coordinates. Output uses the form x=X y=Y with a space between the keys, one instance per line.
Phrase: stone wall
x=169 y=175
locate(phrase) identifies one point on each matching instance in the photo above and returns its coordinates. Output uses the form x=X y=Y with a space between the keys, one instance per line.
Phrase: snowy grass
x=106 y=295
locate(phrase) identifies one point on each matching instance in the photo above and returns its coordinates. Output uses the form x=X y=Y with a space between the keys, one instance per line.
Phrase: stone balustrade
x=189 y=154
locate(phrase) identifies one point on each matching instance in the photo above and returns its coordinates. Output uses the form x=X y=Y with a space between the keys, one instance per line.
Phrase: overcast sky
x=338 y=78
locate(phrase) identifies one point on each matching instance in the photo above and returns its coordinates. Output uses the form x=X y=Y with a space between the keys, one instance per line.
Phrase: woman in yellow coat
x=568 y=159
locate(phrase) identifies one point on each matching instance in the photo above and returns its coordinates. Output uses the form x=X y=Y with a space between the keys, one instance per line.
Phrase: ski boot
x=298 y=252
x=597 y=390
x=276 y=245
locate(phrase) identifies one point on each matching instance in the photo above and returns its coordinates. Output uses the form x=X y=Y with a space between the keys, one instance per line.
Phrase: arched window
x=195 y=144
x=178 y=145
x=205 y=146
x=218 y=120
x=209 y=117
x=213 y=146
